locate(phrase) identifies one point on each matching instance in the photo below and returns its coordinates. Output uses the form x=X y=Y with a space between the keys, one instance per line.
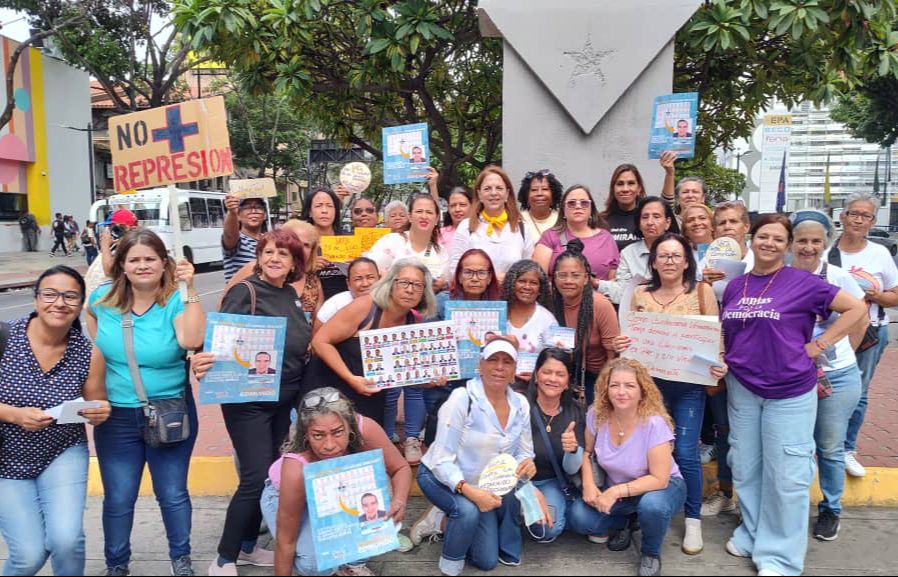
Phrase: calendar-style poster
x=406 y=153
x=348 y=500
x=473 y=320
x=410 y=355
x=674 y=121
x=249 y=356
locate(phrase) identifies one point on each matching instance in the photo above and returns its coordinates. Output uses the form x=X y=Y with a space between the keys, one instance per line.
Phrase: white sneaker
x=708 y=453
x=735 y=551
x=852 y=466
x=693 y=544
x=717 y=504
x=412 y=450
x=427 y=526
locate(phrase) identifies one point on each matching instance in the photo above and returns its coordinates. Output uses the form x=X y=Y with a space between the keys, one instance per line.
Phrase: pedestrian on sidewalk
x=246 y=221
x=768 y=321
x=873 y=268
x=57 y=232
x=813 y=233
x=258 y=430
x=30 y=231
x=147 y=368
x=47 y=361
x=89 y=242
x=72 y=232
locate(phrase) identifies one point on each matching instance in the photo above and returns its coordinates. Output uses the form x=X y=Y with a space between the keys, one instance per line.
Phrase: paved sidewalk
x=865 y=547
x=21 y=269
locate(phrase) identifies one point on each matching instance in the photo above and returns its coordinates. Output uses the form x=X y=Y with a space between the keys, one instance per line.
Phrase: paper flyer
x=562 y=338
x=348 y=500
x=410 y=355
x=249 y=356
x=674 y=121
x=473 y=320
x=406 y=152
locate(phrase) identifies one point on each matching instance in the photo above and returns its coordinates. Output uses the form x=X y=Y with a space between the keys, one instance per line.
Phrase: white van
x=202 y=218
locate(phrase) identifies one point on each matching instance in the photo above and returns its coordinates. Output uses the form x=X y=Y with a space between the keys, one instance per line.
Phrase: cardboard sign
x=667 y=345
x=341 y=248
x=498 y=477
x=369 y=236
x=166 y=145
x=253 y=188
x=356 y=176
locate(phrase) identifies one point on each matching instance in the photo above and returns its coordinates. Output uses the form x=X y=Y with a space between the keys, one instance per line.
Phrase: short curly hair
x=519 y=269
x=554 y=186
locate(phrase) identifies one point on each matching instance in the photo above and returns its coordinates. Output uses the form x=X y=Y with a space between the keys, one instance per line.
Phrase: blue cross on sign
x=175 y=132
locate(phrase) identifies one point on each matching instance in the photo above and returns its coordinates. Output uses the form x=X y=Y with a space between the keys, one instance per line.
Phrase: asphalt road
x=17 y=303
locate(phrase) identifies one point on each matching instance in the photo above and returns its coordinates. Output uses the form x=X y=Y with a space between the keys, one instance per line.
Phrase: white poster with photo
x=410 y=355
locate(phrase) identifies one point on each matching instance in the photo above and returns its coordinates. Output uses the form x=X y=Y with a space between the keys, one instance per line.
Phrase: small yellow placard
x=341 y=248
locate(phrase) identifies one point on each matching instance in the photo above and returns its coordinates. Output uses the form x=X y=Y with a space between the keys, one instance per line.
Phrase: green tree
x=722 y=183
x=871 y=112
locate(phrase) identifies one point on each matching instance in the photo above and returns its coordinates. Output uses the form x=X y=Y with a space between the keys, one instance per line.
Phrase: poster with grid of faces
x=473 y=321
x=249 y=357
x=410 y=355
x=348 y=501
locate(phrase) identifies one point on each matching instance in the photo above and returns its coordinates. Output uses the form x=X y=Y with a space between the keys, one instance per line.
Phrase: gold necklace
x=552 y=418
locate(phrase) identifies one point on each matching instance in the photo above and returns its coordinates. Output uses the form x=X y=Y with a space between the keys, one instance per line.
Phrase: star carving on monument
x=588 y=61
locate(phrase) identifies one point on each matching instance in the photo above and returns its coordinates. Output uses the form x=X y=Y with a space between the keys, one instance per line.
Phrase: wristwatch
x=193 y=299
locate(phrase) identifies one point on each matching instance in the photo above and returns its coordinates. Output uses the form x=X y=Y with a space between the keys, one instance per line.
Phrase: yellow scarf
x=495 y=223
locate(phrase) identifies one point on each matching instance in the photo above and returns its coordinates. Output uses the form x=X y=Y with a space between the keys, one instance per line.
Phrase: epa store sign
x=178 y=143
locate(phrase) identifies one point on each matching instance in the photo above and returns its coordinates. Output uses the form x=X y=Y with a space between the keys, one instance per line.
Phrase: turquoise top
x=159 y=355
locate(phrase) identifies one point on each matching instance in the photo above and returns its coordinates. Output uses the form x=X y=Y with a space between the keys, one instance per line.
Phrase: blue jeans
x=722 y=429
x=44 y=517
x=414 y=411
x=305 y=562
x=833 y=414
x=574 y=515
x=122 y=454
x=90 y=253
x=772 y=457
x=867 y=361
x=478 y=537
x=686 y=404
x=654 y=509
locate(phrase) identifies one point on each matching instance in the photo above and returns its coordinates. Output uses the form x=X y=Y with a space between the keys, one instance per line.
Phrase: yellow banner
x=778 y=120
x=341 y=248
x=178 y=143
x=369 y=236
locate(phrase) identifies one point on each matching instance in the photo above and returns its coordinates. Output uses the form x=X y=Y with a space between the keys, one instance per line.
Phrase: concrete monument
x=580 y=77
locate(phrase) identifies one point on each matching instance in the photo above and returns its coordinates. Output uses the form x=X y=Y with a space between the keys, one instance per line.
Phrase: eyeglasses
x=861 y=216
x=575 y=276
x=366 y=210
x=318 y=400
x=253 y=208
x=50 y=296
x=670 y=258
x=469 y=273
x=540 y=173
x=573 y=203
x=409 y=284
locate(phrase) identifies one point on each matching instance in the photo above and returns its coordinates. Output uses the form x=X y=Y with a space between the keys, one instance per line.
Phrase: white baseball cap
x=499 y=346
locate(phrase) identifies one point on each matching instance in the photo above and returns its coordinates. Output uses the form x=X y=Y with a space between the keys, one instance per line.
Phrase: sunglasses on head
x=541 y=174
x=318 y=400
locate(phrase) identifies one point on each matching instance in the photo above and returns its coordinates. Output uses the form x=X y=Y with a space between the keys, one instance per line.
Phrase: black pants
x=257 y=431
x=60 y=242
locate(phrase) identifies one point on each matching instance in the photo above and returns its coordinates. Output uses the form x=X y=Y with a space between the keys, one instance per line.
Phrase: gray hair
x=393 y=205
x=382 y=291
x=342 y=408
x=698 y=179
x=867 y=197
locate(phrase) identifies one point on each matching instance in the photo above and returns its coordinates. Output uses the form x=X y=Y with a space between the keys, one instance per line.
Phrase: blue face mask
x=526 y=494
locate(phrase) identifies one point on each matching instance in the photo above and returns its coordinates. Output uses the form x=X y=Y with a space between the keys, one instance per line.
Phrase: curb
x=217 y=477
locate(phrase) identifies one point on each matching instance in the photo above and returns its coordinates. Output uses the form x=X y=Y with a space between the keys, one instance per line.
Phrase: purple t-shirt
x=600 y=250
x=630 y=461
x=767 y=354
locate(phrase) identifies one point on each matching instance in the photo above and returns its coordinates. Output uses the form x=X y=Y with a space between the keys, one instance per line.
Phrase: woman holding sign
x=257 y=430
x=46 y=361
x=527 y=290
x=322 y=209
x=674 y=291
x=495 y=225
x=479 y=423
x=768 y=325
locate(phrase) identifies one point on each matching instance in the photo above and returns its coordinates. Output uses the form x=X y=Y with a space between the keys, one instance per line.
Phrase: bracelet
x=193 y=299
x=460 y=486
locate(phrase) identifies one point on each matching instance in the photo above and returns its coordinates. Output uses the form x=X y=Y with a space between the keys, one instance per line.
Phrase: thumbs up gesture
x=569 y=439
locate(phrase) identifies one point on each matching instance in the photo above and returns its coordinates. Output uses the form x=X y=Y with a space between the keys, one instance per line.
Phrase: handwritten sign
x=253 y=188
x=723 y=248
x=178 y=143
x=356 y=176
x=341 y=248
x=667 y=345
x=498 y=477
x=369 y=236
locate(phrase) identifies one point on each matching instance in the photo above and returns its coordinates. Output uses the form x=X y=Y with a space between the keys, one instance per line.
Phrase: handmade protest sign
x=410 y=355
x=341 y=248
x=253 y=188
x=406 y=153
x=498 y=476
x=473 y=320
x=348 y=500
x=177 y=143
x=674 y=119
x=249 y=357
x=667 y=345
x=725 y=255
x=355 y=176
x=369 y=236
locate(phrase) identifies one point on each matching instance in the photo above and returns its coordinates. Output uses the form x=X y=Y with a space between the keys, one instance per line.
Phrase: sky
x=14 y=25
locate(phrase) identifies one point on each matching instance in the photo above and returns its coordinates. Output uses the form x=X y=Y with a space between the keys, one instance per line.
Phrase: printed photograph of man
x=370 y=510
x=263 y=365
x=683 y=129
x=417 y=155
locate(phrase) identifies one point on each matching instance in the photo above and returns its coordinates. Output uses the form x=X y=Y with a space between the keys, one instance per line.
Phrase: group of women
x=609 y=450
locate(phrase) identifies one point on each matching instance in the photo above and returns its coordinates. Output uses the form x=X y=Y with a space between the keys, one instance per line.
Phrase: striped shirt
x=243 y=253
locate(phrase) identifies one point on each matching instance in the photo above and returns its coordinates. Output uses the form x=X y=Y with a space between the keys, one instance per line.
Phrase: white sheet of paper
x=701 y=365
x=626 y=299
x=731 y=268
x=67 y=413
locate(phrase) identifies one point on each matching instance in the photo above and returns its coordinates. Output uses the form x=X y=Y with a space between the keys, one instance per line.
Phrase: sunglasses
x=366 y=210
x=318 y=400
x=540 y=173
